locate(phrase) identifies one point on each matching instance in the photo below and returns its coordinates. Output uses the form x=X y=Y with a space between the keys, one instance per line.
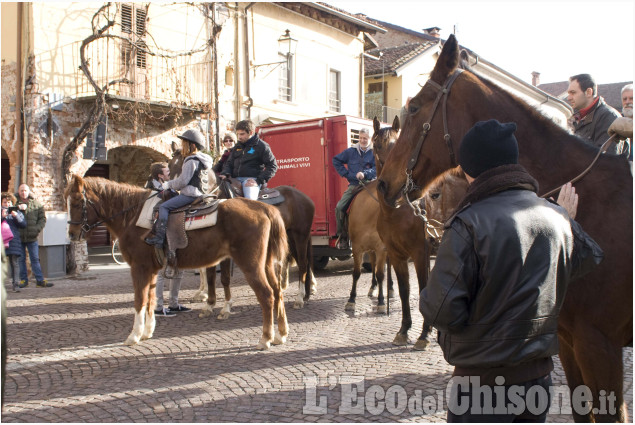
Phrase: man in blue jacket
x=355 y=164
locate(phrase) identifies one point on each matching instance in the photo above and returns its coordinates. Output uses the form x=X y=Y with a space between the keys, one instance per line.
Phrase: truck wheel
x=319 y=263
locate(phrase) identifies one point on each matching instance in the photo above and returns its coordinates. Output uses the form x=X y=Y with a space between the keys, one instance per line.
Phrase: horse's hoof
x=313 y=289
x=205 y=313
x=200 y=297
x=279 y=339
x=298 y=304
x=372 y=293
x=131 y=341
x=421 y=345
x=224 y=315
x=391 y=293
x=400 y=340
x=381 y=309
x=144 y=337
x=263 y=345
x=349 y=307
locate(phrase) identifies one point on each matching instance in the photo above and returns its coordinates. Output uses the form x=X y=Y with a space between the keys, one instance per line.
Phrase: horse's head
x=176 y=162
x=80 y=202
x=422 y=151
x=383 y=141
x=444 y=194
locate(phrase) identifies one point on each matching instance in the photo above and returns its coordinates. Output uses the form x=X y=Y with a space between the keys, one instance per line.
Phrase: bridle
x=443 y=91
x=85 y=227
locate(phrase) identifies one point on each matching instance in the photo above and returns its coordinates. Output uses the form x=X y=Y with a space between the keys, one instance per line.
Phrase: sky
x=556 y=38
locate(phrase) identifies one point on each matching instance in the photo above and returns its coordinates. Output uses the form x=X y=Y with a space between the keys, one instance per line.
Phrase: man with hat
x=499 y=281
x=192 y=183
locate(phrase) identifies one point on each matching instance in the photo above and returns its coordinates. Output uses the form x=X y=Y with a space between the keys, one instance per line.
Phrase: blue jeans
x=175 y=286
x=34 y=256
x=172 y=204
x=243 y=180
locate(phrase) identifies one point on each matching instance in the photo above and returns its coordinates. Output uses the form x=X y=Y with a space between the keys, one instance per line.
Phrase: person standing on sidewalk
x=15 y=221
x=159 y=174
x=35 y=220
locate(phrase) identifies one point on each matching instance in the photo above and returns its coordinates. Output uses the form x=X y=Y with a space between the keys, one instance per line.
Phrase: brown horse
x=250 y=232
x=297 y=212
x=362 y=218
x=596 y=320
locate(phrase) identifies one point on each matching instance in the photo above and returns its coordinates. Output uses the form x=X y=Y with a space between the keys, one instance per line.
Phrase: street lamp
x=286 y=46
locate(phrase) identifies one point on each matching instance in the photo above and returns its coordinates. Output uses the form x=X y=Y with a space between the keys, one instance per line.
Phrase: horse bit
x=433 y=230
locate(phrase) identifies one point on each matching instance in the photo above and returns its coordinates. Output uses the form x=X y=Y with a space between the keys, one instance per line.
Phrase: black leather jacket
x=500 y=279
x=251 y=159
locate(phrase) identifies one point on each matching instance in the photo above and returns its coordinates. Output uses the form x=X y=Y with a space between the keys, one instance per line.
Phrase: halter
x=443 y=93
x=85 y=227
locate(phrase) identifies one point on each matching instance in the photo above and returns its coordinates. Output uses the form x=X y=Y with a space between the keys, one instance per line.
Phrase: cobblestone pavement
x=67 y=362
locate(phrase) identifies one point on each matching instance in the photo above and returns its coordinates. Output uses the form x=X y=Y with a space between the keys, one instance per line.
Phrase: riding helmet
x=194 y=136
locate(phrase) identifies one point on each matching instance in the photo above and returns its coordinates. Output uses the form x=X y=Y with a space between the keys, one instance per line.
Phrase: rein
x=586 y=171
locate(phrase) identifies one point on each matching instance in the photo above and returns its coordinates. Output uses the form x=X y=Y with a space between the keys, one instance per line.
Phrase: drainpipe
x=247 y=72
x=236 y=67
x=215 y=89
x=19 y=103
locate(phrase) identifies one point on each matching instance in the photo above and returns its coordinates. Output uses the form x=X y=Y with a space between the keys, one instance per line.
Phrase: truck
x=304 y=151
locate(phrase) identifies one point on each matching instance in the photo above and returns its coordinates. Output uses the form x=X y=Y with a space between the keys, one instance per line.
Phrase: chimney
x=535 y=79
x=433 y=31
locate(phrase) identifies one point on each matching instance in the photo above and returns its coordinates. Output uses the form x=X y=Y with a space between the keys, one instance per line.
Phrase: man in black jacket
x=499 y=281
x=592 y=116
x=251 y=159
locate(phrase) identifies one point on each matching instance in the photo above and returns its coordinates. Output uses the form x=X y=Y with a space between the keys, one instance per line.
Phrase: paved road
x=67 y=362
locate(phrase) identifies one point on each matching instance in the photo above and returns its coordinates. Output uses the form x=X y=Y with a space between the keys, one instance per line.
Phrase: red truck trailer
x=304 y=151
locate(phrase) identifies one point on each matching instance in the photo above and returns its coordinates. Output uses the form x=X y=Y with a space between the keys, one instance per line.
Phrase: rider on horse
x=192 y=183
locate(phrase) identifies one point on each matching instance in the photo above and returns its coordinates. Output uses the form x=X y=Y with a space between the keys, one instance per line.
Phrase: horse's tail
x=278 y=248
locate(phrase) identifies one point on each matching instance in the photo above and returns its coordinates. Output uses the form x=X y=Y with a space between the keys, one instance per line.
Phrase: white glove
x=165 y=185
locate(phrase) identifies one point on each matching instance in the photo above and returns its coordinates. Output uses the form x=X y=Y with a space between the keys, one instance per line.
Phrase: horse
x=251 y=233
x=297 y=212
x=596 y=320
x=362 y=230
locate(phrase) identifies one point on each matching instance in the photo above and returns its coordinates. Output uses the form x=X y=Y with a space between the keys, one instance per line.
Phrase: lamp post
x=286 y=46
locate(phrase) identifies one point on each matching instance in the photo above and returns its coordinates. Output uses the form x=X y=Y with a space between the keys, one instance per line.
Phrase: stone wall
x=8 y=129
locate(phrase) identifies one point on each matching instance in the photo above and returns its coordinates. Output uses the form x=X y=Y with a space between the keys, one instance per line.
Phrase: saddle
x=198 y=214
x=233 y=188
x=347 y=207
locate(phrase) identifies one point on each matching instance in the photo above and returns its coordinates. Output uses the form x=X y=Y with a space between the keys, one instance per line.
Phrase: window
x=133 y=26
x=335 y=91
x=285 y=81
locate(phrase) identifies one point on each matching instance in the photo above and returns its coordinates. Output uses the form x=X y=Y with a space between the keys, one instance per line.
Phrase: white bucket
x=251 y=192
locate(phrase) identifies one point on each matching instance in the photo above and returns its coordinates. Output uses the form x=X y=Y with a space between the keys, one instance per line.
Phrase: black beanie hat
x=487 y=145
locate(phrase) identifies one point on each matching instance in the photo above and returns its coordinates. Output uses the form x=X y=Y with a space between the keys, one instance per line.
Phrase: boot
x=159 y=234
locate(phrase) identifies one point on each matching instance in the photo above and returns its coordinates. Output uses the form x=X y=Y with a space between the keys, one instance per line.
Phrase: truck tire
x=319 y=263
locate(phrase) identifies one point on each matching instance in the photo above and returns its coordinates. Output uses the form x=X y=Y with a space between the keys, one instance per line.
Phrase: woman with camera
x=15 y=219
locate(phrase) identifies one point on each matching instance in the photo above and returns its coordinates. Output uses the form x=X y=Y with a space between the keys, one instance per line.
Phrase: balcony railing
x=183 y=80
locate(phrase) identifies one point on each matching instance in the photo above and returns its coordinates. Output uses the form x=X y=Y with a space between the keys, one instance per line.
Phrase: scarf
x=579 y=116
x=495 y=180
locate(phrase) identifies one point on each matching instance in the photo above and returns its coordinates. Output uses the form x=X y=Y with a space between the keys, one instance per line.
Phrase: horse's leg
x=201 y=293
x=573 y=375
x=208 y=310
x=378 y=267
x=225 y=279
x=403 y=281
x=141 y=279
x=372 y=292
x=282 y=331
x=391 y=291
x=299 y=255
x=309 y=265
x=150 y=322
x=422 y=267
x=603 y=372
x=357 y=271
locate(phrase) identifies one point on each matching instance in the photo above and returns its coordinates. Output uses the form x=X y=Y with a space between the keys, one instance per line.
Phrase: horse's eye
x=435 y=196
x=413 y=109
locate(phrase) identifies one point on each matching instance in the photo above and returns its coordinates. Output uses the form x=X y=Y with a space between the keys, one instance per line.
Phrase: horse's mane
x=121 y=196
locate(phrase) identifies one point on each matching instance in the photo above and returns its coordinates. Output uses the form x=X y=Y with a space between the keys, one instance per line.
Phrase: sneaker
x=343 y=242
x=179 y=309
x=23 y=284
x=43 y=284
x=164 y=312
x=16 y=287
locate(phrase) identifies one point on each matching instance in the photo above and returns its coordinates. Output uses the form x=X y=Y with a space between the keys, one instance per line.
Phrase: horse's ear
x=173 y=146
x=77 y=183
x=448 y=60
x=395 y=123
x=376 y=124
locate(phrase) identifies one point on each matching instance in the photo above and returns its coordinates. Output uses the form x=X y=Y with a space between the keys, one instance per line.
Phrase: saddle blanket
x=191 y=223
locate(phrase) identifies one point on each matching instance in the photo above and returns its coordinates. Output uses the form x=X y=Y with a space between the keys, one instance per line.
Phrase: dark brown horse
x=250 y=232
x=596 y=320
x=297 y=212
